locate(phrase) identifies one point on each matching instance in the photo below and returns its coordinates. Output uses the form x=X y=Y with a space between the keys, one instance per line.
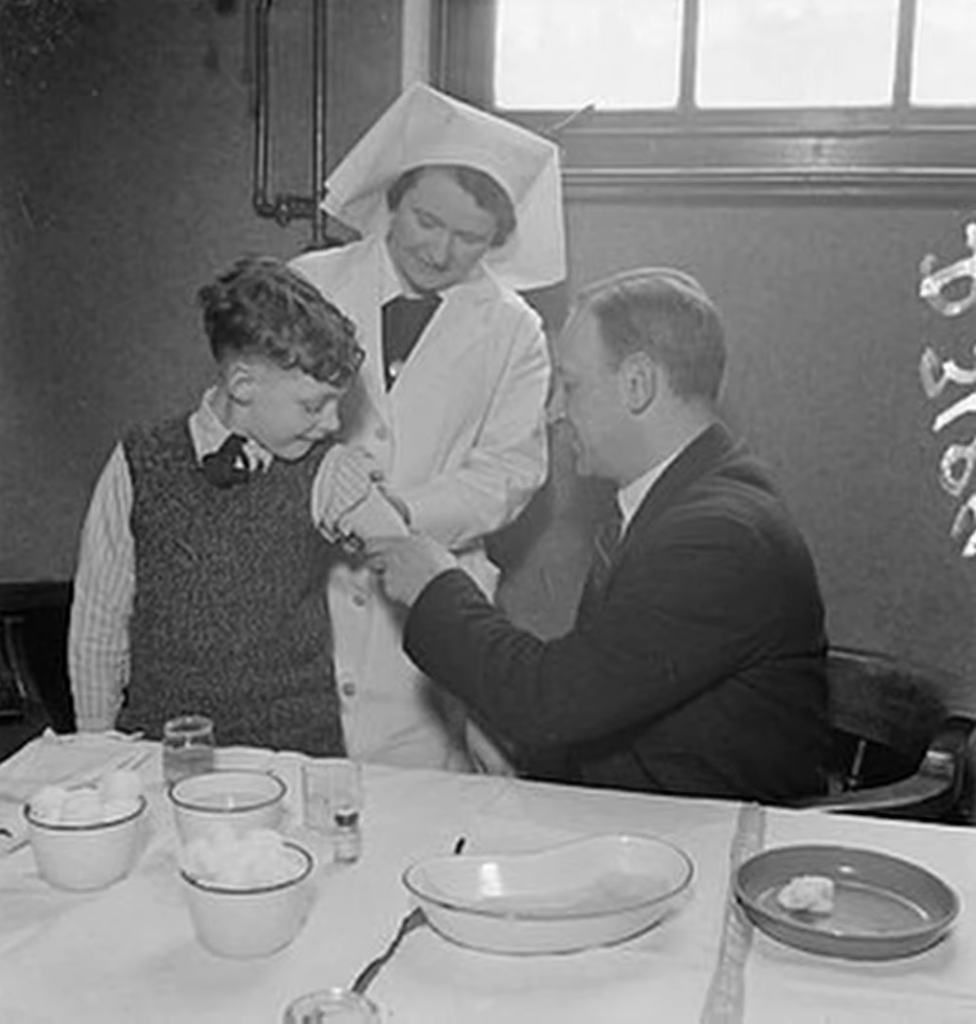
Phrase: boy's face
x=286 y=411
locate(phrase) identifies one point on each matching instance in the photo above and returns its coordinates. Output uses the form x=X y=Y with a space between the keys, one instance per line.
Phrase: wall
x=825 y=332
x=126 y=131
x=126 y=179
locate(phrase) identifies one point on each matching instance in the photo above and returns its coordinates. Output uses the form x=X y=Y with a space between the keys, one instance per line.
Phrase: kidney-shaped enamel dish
x=590 y=892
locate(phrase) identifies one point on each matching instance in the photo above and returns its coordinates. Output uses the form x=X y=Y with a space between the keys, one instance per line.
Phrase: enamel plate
x=883 y=908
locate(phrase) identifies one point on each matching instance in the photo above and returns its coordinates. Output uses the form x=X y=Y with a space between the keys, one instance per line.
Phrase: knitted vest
x=229 y=618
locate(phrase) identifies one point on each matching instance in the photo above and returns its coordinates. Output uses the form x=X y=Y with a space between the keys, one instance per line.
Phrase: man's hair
x=259 y=306
x=666 y=314
x=481 y=186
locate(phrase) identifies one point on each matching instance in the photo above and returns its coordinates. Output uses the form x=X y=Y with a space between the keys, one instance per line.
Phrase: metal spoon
x=410 y=922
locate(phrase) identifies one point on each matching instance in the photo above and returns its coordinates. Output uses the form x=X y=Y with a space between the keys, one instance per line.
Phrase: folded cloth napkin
x=53 y=759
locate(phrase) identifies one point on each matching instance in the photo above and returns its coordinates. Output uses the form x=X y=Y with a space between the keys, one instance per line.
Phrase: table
x=129 y=954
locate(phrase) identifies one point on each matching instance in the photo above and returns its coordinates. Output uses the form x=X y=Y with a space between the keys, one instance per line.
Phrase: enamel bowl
x=232 y=921
x=883 y=907
x=590 y=892
x=84 y=857
x=241 y=800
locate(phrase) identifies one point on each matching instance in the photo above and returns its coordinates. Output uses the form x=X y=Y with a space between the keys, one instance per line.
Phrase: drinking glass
x=331 y=1006
x=332 y=791
x=188 y=747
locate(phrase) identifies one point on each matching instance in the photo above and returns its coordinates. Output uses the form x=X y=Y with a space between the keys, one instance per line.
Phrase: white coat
x=461 y=438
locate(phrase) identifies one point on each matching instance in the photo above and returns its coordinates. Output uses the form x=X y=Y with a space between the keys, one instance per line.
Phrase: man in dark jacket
x=696 y=663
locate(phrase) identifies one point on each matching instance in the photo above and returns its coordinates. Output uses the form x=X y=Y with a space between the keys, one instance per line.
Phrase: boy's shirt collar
x=208 y=434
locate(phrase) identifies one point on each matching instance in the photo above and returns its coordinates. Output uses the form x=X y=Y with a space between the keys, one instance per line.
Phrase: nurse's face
x=438 y=233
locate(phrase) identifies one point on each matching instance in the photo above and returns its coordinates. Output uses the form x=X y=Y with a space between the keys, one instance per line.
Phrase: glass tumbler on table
x=332 y=790
x=188 y=747
x=331 y=1006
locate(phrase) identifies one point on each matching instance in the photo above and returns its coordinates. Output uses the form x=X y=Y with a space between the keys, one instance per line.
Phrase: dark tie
x=404 y=320
x=228 y=465
x=606 y=542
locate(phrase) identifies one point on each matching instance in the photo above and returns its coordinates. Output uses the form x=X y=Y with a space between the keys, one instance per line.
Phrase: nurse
x=457 y=209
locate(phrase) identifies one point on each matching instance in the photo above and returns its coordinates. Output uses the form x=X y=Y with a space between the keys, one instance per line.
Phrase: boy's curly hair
x=259 y=306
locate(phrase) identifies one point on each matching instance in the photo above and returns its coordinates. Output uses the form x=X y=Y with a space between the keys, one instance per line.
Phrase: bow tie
x=228 y=465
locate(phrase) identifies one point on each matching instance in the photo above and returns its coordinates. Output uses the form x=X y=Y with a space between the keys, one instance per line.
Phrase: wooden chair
x=900 y=749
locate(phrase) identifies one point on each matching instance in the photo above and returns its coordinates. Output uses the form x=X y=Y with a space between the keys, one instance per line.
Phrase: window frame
x=900 y=153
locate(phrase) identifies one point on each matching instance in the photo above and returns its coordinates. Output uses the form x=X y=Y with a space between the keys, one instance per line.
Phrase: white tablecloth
x=129 y=954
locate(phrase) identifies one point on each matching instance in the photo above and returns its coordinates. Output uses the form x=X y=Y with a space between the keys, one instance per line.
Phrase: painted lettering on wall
x=951 y=292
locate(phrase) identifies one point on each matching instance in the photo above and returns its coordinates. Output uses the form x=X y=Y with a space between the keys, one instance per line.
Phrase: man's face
x=289 y=411
x=587 y=397
x=438 y=233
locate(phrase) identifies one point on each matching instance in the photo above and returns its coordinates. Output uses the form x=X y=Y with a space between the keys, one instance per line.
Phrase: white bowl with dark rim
x=239 y=922
x=84 y=857
x=240 y=800
x=581 y=894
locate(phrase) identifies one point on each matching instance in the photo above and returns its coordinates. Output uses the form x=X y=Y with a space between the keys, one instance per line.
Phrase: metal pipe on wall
x=284 y=208
x=319 y=91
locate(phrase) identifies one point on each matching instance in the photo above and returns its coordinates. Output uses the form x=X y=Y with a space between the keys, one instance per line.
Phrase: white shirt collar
x=629 y=498
x=208 y=433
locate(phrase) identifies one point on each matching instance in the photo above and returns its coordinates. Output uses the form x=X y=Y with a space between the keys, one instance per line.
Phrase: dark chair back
x=900 y=749
x=34 y=687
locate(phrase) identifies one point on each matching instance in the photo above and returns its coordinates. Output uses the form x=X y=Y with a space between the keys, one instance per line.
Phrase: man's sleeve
x=679 y=619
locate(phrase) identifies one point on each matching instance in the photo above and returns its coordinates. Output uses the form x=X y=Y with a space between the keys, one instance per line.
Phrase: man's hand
x=405 y=565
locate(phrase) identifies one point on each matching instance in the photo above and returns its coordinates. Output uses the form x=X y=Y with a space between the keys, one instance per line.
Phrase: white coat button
x=359 y=599
x=381 y=433
x=348 y=689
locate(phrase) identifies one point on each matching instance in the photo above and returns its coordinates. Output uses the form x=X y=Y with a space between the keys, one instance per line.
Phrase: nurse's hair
x=667 y=314
x=481 y=186
x=259 y=307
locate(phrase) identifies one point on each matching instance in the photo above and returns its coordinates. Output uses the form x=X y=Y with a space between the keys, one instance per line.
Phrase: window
x=945 y=53
x=863 y=98
x=791 y=53
x=617 y=54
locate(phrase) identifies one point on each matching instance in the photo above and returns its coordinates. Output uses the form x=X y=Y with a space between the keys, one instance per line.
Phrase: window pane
x=555 y=54
x=945 y=52
x=796 y=53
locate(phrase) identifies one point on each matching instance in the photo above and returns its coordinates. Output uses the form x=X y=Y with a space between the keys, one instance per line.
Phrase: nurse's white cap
x=424 y=126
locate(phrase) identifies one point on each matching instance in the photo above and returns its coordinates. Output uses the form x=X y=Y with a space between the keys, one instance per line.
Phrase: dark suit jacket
x=701 y=670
